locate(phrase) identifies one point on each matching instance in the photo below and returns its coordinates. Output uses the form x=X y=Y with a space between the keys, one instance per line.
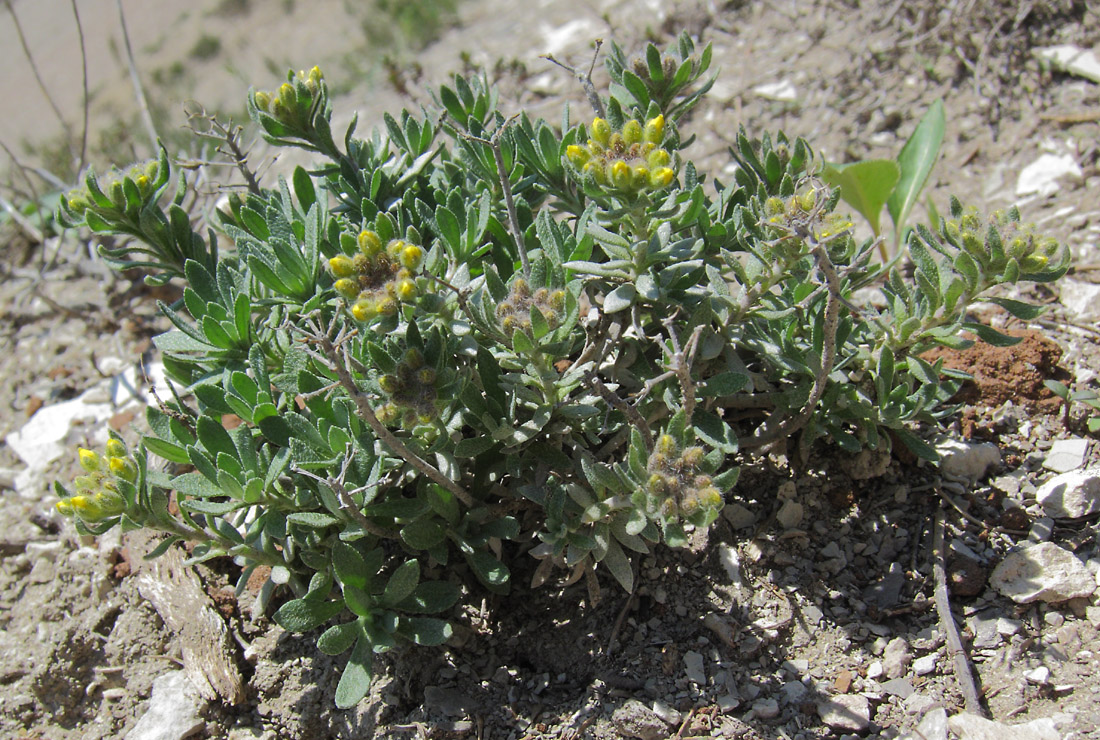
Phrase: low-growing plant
x=471 y=338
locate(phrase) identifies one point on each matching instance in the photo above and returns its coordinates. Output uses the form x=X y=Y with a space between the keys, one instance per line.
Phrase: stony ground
x=809 y=611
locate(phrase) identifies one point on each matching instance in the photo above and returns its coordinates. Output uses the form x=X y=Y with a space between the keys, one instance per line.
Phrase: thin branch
x=347 y=503
x=631 y=413
x=506 y=185
x=963 y=672
x=84 y=87
x=339 y=365
x=791 y=424
x=585 y=78
x=139 y=91
x=229 y=135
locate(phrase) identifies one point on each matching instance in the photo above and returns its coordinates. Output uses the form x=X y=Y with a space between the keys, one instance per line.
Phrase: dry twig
x=963 y=672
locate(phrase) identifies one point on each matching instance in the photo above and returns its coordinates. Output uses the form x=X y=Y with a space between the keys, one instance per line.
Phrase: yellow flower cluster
x=676 y=484
x=802 y=208
x=377 y=280
x=514 y=313
x=1020 y=242
x=629 y=160
x=97 y=496
x=412 y=391
x=112 y=184
x=288 y=104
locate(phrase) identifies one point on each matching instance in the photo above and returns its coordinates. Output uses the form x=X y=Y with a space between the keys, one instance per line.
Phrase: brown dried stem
x=339 y=365
x=963 y=672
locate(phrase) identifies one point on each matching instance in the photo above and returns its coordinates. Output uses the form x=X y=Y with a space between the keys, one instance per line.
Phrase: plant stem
x=367 y=414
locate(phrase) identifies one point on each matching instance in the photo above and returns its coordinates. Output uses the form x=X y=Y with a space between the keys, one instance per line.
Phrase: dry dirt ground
x=743 y=636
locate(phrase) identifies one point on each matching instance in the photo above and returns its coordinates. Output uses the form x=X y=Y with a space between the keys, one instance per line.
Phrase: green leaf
x=490 y=571
x=915 y=161
x=355 y=680
x=302 y=615
x=314 y=519
x=351 y=569
x=214 y=438
x=865 y=186
x=423 y=534
x=723 y=384
x=426 y=630
x=431 y=597
x=916 y=445
x=214 y=508
x=619 y=564
x=1019 y=309
x=715 y=432
x=167 y=450
x=990 y=335
x=402 y=583
x=619 y=299
x=473 y=446
x=338 y=638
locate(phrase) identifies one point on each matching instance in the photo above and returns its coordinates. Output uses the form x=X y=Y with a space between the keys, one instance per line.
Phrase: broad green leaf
x=402 y=583
x=915 y=162
x=423 y=534
x=865 y=185
x=302 y=615
x=313 y=519
x=355 y=680
x=351 y=569
x=431 y=597
x=338 y=638
x=426 y=630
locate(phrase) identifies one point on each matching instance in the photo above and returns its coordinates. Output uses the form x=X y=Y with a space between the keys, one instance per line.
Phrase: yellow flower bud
x=123 y=468
x=288 y=96
x=808 y=200
x=615 y=143
x=393 y=249
x=521 y=288
x=388 y=413
x=654 y=130
x=601 y=131
x=387 y=306
x=1033 y=262
x=557 y=300
x=90 y=460
x=639 y=177
x=406 y=290
x=658 y=158
x=666 y=445
x=597 y=171
x=412 y=256
x=346 y=287
x=577 y=155
x=692 y=456
x=364 y=310
x=508 y=324
x=341 y=266
x=116 y=448
x=369 y=243
x=315 y=74
x=262 y=100
x=426 y=376
x=661 y=177
x=710 y=497
x=632 y=132
x=657 y=483
x=390 y=384
x=64 y=507
x=689 y=505
x=620 y=174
